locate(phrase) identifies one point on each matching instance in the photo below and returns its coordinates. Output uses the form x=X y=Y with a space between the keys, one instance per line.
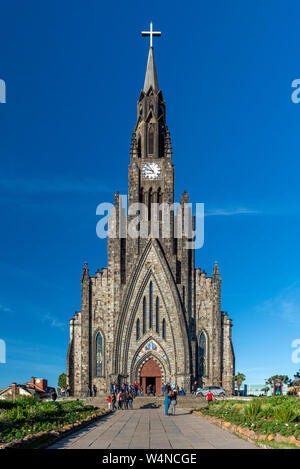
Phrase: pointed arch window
x=159 y=196
x=157 y=314
x=151 y=142
x=150 y=200
x=139 y=147
x=144 y=315
x=99 y=354
x=150 y=305
x=163 y=329
x=138 y=329
x=202 y=355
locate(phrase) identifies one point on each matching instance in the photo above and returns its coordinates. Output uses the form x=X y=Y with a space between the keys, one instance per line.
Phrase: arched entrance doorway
x=151 y=374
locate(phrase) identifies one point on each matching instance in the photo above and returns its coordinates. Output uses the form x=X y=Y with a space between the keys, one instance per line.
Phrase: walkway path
x=150 y=428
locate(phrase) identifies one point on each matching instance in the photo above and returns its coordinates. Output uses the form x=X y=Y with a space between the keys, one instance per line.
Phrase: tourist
x=209 y=397
x=167 y=402
x=142 y=392
x=113 y=401
x=163 y=390
x=123 y=398
x=130 y=400
x=119 y=400
x=149 y=390
x=173 y=401
x=109 y=399
x=126 y=399
x=194 y=388
x=87 y=391
x=136 y=385
x=94 y=390
x=53 y=396
x=68 y=391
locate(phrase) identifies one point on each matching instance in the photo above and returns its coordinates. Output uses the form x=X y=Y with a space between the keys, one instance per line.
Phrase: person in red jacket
x=209 y=396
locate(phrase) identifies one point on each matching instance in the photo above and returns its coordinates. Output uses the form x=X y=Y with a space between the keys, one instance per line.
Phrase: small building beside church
x=35 y=387
x=150 y=316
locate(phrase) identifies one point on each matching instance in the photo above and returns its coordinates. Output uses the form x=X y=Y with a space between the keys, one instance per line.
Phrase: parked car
x=217 y=391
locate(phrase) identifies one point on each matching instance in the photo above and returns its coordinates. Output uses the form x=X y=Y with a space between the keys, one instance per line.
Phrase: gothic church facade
x=150 y=316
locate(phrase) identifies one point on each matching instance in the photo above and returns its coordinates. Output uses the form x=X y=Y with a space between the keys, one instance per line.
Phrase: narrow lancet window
x=99 y=355
x=202 y=354
x=164 y=329
x=157 y=314
x=150 y=305
x=144 y=315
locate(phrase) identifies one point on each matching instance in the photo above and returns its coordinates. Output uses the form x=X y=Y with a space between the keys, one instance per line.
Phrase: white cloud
x=40 y=186
x=54 y=322
x=230 y=211
x=285 y=305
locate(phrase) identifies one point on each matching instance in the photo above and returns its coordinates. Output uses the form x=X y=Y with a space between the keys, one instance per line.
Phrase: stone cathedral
x=150 y=316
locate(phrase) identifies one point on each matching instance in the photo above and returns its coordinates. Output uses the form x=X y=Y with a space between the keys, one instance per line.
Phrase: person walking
x=123 y=398
x=167 y=402
x=173 y=401
x=130 y=400
x=94 y=390
x=119 y=400
x=109 y=399
x=209 y=397
x=113 y=401
x=68 y=390
x=163 y=389
x=53 y=396
x=87 y=391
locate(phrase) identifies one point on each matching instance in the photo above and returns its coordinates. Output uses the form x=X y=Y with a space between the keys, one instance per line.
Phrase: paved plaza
x=150 y=429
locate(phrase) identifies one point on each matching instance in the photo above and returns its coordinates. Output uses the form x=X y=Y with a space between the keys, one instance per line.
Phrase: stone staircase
x=184 y=402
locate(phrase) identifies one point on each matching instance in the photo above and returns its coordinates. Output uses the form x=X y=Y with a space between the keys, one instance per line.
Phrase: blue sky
x=73 y=72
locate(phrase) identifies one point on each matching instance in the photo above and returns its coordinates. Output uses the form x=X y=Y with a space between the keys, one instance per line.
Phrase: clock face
x=151 y=170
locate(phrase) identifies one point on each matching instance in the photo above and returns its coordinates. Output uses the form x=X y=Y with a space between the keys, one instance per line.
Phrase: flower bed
x=262 y=419
x=29 y=419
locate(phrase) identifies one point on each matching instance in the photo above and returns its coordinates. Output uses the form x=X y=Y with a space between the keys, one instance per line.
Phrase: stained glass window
x=99 y=355
x=164 y=329
x=157 y=314
x=202 y=354
x=144 y=315
x=150 y=306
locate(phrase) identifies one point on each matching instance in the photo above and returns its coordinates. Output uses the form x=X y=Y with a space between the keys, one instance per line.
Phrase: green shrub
x=4 y=420
x=16 y=414
x=254 y=408
x=286 y=413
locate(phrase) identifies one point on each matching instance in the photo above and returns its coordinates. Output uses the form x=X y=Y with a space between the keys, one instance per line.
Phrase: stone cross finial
x=151 y=33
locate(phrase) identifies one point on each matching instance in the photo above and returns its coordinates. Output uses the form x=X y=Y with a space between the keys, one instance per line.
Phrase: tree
x=284 y=378
x=265 y=389
x=238 y=379
x=296 y=381
x=62 y=380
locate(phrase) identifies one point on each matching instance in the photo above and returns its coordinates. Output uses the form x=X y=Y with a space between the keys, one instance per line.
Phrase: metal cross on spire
x=151 y=33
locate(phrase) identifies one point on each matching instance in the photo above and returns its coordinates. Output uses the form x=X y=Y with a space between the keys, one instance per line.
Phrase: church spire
x=151 y=76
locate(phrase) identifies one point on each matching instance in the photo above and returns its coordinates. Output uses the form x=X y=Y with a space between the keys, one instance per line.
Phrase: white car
x=217 y=391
